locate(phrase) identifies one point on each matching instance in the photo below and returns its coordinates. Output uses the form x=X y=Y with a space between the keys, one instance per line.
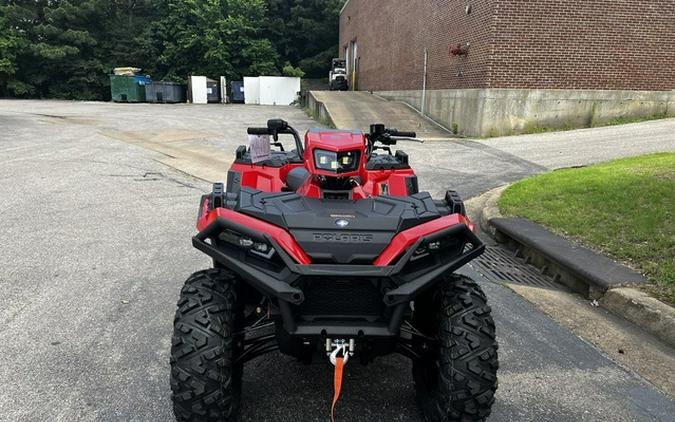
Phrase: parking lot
x=98 y=204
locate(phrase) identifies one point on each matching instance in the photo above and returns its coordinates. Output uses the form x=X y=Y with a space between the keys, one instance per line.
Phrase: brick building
x=514 y=49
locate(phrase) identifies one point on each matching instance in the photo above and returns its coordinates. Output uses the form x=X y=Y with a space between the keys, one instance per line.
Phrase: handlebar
x=387 y=137
x=378 y=133
x=407 y=138
x=258 y=131
x=401 y=134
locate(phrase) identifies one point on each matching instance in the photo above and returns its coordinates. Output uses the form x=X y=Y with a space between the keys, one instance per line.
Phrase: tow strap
x=339 y=358
x=337 y=384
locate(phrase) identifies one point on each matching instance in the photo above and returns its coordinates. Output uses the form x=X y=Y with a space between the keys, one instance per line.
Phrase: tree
x=16 y=25
x=67 y=48
x=214 y=37
x=9 y=45
x=305 y=32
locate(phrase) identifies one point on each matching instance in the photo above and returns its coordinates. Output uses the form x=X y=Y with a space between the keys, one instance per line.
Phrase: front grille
x=334 y=296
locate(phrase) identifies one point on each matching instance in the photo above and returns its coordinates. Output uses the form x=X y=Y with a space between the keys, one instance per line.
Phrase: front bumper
x=402 y=282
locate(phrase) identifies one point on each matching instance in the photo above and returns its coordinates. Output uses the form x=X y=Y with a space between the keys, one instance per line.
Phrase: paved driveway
x=95 y=245
x=475 y=166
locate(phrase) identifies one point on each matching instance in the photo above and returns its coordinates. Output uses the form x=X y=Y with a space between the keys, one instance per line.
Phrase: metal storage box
x=212 y=91
x=164 y=92
x=237 y=92
x=128 y=89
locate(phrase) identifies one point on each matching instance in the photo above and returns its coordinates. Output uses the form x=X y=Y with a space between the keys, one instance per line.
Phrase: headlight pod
x=255 y=247
x=336 y=162
x=428 y=248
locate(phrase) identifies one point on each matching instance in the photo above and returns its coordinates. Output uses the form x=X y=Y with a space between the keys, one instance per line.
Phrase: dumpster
x=128 y=89
x=212 y=91
x=164 y=92
x=237 y=95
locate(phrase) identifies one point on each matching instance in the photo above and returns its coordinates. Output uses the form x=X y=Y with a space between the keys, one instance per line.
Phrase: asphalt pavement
x=95 y=245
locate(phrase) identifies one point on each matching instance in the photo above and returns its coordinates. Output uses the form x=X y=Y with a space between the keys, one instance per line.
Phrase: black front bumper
x=284 y=281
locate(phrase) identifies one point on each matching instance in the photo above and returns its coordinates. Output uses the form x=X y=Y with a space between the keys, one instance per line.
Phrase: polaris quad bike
x=329 y=250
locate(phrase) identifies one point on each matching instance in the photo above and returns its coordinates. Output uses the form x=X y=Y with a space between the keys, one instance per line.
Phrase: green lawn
x=623 y=208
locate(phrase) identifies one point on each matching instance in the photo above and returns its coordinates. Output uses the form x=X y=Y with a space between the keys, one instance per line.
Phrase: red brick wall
x=392 y=35
x=554 y=44
x=600 y=44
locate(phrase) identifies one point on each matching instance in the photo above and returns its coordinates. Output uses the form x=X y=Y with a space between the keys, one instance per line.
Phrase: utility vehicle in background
x=337 y=77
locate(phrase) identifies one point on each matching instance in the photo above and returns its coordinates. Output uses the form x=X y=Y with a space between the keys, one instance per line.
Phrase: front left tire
x=205 y=377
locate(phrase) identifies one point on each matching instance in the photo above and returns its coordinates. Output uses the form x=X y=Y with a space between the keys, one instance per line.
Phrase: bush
x=295 y=72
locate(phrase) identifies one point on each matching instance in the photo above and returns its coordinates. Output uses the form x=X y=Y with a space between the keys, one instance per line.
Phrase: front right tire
x=456 y=379
x=205 y=378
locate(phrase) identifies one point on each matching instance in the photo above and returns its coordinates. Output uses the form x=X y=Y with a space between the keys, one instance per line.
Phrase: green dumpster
x=128 y=89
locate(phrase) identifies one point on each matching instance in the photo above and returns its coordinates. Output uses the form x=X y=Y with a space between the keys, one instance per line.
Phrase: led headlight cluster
x=428 y=248
x=336 y=162
x=255 y=247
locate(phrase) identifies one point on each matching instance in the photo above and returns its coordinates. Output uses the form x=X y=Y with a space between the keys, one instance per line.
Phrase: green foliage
x=305 y=32
x=623 y=208
x=9 y=43
x=290 y=70
x=318 y=66
x=67 y=48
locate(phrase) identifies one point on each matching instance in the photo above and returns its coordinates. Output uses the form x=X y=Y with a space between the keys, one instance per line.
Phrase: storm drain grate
x=500 y=265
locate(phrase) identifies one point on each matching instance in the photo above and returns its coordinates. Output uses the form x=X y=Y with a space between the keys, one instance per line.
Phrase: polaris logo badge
x=341 y=223
x=343 y=237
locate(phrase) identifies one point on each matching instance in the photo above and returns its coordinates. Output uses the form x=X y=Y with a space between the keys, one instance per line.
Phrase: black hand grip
x=258 y=131
x=395 y=132
x=277 y=124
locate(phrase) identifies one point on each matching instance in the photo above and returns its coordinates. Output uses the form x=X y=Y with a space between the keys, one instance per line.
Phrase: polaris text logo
x=343 y=237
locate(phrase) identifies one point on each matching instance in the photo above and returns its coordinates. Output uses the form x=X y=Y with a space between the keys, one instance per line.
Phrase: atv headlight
x=428 y=248
x=261 y=249
x=336 y=162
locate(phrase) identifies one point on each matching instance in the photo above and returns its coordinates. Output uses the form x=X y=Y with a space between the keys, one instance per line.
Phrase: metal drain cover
x=500 y=265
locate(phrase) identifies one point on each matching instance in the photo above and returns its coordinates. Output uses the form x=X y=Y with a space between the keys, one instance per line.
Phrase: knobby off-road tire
x=457 y=379
x=205 y=381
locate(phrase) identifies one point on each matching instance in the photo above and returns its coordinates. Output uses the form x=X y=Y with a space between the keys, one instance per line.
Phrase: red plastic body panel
x=264 y=178
x=406 y=238
x=333 y=141
x=393 y=179
x=273 y=179
x=281 y=236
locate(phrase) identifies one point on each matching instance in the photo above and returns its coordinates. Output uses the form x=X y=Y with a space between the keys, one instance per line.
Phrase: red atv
x=330 y=250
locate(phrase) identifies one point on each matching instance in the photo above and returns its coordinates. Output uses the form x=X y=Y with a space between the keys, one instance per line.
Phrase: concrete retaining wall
x=495 y=112
x=317 y=109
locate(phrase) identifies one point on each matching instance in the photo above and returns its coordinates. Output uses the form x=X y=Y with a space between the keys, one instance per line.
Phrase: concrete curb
x=578 y=267
x=648 y=313
x=481 y=209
